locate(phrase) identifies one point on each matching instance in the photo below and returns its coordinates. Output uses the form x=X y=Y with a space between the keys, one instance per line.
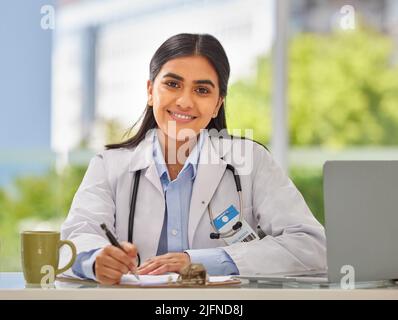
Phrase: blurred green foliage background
x=343 y=91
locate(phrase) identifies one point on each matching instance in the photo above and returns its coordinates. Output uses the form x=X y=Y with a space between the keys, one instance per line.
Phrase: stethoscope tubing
x=214 y=235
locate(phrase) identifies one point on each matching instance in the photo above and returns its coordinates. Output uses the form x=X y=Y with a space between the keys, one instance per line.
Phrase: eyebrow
x=177 y=77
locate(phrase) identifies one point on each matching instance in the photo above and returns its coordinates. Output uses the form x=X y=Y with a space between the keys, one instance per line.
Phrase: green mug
x=40 y=255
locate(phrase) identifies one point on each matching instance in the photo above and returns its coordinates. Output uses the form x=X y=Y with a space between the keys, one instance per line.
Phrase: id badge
x=227 y=219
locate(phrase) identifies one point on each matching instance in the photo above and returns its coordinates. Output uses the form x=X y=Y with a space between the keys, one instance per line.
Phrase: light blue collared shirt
x=177 y=193
x=174 y=235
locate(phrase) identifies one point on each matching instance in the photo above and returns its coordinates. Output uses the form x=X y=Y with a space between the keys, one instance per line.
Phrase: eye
x=202 y=90
x=172 y=84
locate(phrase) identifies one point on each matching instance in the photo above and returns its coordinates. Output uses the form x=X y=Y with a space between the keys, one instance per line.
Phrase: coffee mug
x=40 y=255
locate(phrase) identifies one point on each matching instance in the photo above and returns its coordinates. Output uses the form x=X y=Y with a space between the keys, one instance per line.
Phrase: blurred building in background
x=64 y=89
x=102 y=51
x=25 y=89
x=315 y=15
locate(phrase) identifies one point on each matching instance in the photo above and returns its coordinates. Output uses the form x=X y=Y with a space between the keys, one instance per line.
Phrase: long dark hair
x=182 y=45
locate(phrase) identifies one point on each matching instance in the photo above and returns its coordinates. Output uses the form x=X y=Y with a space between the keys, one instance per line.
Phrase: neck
x=175 y=151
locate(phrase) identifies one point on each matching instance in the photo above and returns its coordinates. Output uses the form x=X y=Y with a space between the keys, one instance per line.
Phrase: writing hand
x=112 y=263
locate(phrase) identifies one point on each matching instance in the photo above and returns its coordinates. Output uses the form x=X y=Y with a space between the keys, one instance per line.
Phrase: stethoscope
x=213 y=235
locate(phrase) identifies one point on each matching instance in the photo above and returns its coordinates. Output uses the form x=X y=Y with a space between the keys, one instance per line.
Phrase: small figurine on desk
x=193 y=274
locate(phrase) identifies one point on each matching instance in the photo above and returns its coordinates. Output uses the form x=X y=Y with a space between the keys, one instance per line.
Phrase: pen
x=114 y=242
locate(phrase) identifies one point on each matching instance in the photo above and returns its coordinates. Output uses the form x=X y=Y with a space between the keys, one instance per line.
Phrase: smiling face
x=185 y=96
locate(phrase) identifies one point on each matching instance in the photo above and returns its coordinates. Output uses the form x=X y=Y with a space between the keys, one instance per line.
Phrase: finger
x=161 y=270
x=144 y=265
x=150 y=267
x=120 y=256
x=104 y=260
x=148 y=262
x=107 y=281
x=130 y=249
x=111 y=273
x=111 y=263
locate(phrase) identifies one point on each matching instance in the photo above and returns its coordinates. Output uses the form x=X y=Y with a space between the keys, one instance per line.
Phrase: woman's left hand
x=170 y=262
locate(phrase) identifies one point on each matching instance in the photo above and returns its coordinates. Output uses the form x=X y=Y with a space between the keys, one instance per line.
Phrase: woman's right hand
x=112 y=263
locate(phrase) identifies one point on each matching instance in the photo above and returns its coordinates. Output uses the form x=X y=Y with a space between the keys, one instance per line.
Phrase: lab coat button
x=174 y=232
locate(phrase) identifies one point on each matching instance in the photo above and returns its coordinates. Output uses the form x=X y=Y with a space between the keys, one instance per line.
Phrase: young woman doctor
x=185 y=191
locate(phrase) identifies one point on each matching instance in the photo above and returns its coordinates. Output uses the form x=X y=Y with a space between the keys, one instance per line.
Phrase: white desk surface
x=12 y=287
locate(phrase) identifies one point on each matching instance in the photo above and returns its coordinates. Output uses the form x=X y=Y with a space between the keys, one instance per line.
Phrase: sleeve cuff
x=83 y=266
x=87 y=265
x=215 y=260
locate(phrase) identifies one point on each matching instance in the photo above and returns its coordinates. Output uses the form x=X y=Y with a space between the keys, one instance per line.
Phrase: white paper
x=216 y=279
x=148 y=279
x=163 y=279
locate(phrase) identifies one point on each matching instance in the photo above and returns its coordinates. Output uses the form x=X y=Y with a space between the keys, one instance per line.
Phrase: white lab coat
x=295 y=240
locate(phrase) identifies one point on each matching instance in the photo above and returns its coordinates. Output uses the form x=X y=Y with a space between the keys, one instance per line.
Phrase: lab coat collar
x=142 y=158
x=211 y=168
x=142 y=155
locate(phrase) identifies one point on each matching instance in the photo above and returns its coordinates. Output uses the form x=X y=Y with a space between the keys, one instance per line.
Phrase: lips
x=181 y=117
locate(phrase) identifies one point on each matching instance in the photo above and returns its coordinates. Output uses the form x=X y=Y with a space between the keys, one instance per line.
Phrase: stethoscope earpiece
x=237 y=225
x=214 y=235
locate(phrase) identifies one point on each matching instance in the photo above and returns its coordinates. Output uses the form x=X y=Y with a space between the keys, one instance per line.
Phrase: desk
x=12 y=287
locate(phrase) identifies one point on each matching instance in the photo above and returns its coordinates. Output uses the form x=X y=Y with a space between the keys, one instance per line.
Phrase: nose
x=185 y=101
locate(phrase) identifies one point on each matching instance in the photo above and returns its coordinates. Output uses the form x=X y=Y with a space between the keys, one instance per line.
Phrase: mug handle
x=72 y=261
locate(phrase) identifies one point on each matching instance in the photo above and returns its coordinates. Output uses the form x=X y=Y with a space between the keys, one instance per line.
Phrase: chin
x=181 y=132
x=183 y=136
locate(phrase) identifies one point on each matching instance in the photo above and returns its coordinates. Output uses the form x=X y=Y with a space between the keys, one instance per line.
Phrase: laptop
x=361 y=224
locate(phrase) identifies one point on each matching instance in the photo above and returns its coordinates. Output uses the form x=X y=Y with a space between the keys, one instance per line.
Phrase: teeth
x=181 y=116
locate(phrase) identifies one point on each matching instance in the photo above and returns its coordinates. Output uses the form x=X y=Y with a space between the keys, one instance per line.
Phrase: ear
x=149 y=87
x=219 y=104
